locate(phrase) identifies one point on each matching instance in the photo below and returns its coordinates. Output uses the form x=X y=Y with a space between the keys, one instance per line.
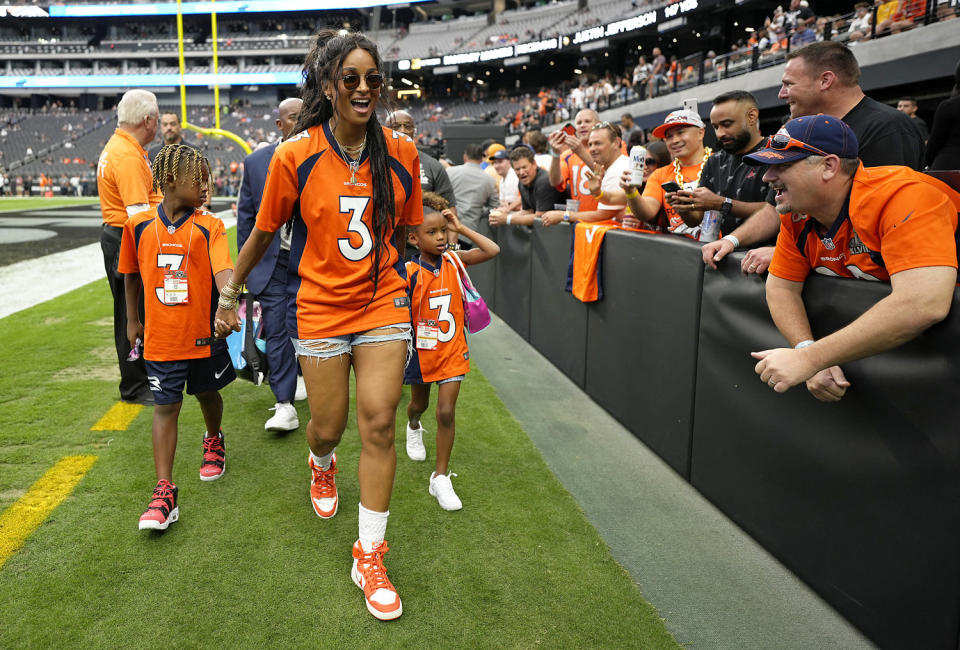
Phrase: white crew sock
x=373 y=527
x=323 y=462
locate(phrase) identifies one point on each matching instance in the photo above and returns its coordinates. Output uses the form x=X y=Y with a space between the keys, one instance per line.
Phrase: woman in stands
x=347 y=183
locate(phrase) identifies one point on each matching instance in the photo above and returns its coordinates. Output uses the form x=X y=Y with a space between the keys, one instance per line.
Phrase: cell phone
x=690 y=105
x=670 y=186
x=569 y=129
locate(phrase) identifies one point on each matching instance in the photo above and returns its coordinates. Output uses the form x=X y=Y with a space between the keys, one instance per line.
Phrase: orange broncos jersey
x=197 y=246
x=586 y=281
x=652 y=189
x=123 y=178
x=575 y=175
x=331 y=252
x=895 y=219
x=435 y=295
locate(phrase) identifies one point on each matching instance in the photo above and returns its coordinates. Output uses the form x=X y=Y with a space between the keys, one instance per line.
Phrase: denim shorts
x=335 y=346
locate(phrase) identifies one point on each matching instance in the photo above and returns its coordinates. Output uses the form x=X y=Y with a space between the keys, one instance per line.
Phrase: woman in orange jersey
x=346 y=183
x=440 y=354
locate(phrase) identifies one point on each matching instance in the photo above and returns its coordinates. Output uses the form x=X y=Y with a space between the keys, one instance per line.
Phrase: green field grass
x=18 y=203
x=249 y=564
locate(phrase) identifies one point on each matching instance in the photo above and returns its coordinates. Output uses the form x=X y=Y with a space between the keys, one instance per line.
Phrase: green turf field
x=249 y=564
x=19 y=203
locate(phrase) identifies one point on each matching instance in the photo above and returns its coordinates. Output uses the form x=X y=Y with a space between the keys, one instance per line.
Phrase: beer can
x=710 y=226
x=637 y=155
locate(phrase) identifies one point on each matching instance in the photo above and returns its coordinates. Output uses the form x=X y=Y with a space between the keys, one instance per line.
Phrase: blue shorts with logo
x=167 y=378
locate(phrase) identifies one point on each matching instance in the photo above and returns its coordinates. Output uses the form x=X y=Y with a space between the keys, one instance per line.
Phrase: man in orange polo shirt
x=839 y=218
x=124 y=182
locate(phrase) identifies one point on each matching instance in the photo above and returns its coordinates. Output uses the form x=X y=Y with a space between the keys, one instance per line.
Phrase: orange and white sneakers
x=369 y=574
x=323 y=488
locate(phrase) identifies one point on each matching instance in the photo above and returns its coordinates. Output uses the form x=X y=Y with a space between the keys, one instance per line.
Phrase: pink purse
x=475 y=311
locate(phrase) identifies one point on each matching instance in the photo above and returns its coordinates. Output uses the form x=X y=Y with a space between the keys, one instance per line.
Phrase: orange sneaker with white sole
x=323 y=488
x=369 y=574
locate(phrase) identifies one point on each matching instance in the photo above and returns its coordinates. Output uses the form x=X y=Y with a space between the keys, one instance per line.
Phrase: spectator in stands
x=490 y=147
x=728 y=184
x=682 y=131
x=628 y=128
x=908 y=106
x=641 y=74
x=658 y=72
x=836 y=218
x=604 y=185
x=170 y=133
x=572 y=164
x=906 y=14
x=475 y=191
x=433 y=176
x=803 y=35
x=798 y=17
x=268 y=279
x=509 y=191
x=537 y=195
x=860 y=24
x=825 y=78
x=125 y=186
x=944 y=149
x=538 y=141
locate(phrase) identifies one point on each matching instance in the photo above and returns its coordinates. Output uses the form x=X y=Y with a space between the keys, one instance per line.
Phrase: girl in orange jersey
x=347 y=183
x=440 y=341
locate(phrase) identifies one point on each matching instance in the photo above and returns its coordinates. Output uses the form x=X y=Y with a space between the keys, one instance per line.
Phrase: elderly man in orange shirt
x=124 y=182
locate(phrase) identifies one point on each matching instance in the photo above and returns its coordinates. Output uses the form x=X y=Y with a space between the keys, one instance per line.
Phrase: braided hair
x=321 y=65
x=178 y=161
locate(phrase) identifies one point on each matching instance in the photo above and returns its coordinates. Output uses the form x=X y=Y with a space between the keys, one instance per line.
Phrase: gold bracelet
x=633 y=193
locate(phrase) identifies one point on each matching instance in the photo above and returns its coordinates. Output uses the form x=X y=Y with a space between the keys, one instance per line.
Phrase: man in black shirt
x=824 y=78
x=537 y=195
x=171 y=132
x=727 y=184
x=908 y=106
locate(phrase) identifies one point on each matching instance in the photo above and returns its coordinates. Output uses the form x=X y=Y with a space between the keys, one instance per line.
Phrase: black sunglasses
x=351 y=80
x=649 y=161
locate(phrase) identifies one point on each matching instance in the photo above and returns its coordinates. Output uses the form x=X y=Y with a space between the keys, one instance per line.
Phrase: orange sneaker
x=369 y=574
x=323 y=488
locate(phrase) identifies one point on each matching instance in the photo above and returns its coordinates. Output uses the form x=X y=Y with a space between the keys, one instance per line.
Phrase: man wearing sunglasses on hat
x=825 y=78
x=839 y=218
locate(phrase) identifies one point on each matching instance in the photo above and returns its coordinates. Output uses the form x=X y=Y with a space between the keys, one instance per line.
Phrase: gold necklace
x=679 y=174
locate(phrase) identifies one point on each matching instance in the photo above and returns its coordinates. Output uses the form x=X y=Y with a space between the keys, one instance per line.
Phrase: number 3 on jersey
x=443 y=304
x=355 y=207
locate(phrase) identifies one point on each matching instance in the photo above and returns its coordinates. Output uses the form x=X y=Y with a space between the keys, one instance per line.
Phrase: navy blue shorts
x=167 y=378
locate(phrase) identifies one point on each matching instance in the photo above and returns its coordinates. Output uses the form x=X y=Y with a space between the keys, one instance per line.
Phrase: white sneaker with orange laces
x=369 y=574
x=323 y=488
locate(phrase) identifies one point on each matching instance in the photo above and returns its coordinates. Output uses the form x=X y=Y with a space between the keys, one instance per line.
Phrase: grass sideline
x=249 y=563
x=21 y=203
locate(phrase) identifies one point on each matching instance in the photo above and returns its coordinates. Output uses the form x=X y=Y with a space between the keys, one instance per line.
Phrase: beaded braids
x=178 y=161
x=322 y=64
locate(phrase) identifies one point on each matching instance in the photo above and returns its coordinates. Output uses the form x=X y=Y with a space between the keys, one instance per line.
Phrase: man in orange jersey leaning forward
x=839 y=218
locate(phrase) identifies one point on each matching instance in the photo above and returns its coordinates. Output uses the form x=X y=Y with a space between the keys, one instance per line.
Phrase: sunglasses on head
x=606 y=125
x=782 y=142
x=351 y=80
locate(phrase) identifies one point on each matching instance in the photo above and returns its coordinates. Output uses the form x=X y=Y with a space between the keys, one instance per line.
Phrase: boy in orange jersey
x=180 y=254
x=440 y=342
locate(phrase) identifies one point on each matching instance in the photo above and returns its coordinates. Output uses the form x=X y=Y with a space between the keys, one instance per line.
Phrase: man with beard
x=537 y=195
x=171 y=132
x=839 y=218
x=825 y=78
x=728 y=184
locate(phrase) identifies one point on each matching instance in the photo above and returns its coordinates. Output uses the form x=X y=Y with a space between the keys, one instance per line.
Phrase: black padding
x=642 y=339
x=558 y=321
x=484 y=275
x=860 y=498
x=512 y=281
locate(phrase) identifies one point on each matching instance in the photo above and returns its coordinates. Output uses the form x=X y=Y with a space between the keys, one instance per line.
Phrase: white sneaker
x=442 y=488
x=284 y=418
x=415 y=448
x=301 y=393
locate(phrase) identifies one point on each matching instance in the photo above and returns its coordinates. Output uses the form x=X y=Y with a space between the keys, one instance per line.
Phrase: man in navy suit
x=268 y=280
